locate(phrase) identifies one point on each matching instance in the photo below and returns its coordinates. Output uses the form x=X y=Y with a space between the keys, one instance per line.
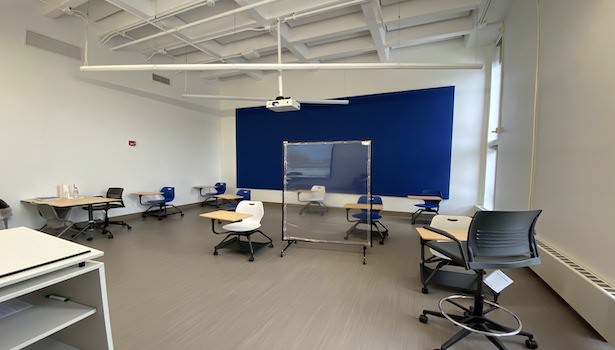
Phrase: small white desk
x=33 y=265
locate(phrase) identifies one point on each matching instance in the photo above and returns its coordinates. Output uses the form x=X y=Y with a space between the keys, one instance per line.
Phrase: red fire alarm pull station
x=132 y=143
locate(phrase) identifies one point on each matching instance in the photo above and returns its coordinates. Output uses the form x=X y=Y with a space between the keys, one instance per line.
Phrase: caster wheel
x=251 y=258
x=364 y=262
x=110 y=237
x=381 y=242
x=216 y=252
x=531 y=344
x=270 y=245
x=423 y=319
x=129 y=227
x=424 y=290
x=345 y=238
x=281 y=254
x=202 y=205
x=182 y=214
x=89 y=238
x=143 y=216
x=160 y=218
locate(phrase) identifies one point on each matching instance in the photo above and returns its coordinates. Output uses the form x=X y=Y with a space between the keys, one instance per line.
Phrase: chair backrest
x=502 y=239
x=374 y=200
x=318 y=193
x=432 y=193
x=444 y=222
x=318 y=188
x=115 y=192
x=168 y=193
x=255 y=208
x=220 y=187
x=245 y=194
x=50 y=215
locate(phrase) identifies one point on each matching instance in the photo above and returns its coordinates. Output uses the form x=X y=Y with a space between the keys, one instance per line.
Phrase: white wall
x=517 y=108
x=469 y=113
x=58 y=128
x=575 y=171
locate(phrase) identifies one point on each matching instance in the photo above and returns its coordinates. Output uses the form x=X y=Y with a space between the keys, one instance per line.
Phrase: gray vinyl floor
x=168 y=291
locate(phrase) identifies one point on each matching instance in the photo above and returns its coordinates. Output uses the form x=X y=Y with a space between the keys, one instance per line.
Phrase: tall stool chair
x=496 y=240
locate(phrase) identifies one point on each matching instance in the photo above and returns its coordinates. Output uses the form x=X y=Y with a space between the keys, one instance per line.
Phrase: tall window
x=493 y=128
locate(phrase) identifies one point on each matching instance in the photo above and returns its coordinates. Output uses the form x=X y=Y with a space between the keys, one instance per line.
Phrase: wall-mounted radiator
x=590 y=296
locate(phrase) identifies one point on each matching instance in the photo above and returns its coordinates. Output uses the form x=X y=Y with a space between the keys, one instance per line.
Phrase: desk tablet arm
x=462 y=252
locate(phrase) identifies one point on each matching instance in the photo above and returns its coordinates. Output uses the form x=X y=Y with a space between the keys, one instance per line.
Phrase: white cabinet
x=82 y=322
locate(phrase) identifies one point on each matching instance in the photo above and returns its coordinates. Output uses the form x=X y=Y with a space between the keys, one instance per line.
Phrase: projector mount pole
x=280 y=84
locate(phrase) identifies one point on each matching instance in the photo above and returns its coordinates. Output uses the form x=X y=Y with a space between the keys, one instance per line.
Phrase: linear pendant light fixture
x=275 y=66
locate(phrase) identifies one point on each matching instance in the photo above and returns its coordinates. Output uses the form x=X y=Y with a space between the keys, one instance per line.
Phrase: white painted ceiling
x=215 y=31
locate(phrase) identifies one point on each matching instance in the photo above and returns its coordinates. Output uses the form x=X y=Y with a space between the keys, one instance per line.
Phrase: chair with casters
x=159 y=207
x=362 y=217
x=116 y=193
x=245 y=228
x=496 y=240
x=314 y=199
x=428 y=205
x=428 y=273
x=53 y=223
x=245 y=195
x=5 y=213
x=219 y=188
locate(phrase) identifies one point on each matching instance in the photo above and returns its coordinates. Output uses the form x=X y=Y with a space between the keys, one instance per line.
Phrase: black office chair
x=496 y=240
x=112 y=192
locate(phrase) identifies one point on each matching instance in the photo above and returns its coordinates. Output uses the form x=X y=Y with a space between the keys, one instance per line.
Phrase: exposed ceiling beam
x=431 y=32
x=141 y=8
x=56 y=8
x=372 y=14
x=195 y=23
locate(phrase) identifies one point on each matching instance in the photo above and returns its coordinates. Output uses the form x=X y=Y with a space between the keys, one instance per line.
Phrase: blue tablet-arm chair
x=428 y=205
x=159 y=207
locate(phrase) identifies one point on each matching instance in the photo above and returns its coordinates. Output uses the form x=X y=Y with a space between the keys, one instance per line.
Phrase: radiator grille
x=587 y=274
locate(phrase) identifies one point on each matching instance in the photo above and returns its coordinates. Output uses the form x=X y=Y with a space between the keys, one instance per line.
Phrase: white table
x=34 y=264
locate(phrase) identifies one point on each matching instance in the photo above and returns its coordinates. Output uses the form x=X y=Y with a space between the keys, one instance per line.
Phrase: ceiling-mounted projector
x=283 y=104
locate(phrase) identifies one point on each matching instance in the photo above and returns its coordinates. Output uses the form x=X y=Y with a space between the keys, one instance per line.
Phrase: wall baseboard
x=591 y=297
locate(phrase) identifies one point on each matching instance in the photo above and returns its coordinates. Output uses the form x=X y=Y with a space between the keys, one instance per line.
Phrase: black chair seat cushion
x=104 y=206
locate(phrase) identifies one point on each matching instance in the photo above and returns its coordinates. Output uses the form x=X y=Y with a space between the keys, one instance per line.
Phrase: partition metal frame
x=292 y=239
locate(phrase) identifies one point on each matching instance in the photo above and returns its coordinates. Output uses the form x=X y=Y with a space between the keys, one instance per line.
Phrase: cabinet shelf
x=44 y=318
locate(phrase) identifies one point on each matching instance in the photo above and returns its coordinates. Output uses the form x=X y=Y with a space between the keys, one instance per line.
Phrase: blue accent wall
x=411 y=133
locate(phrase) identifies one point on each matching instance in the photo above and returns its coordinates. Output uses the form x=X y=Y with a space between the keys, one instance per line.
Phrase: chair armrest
x=452 y=238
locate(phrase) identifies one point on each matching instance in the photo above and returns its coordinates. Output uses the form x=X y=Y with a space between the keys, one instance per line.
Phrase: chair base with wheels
x=383 y=231
x=314 y=207
x=234 y=241
x=474 y=320
x=417 y=214
x=161 y=211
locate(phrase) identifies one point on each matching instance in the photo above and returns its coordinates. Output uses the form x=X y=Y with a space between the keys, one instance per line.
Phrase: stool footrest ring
x=484 y=322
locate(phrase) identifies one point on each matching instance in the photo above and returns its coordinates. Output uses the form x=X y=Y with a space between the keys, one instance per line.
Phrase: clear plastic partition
x=326 y=186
